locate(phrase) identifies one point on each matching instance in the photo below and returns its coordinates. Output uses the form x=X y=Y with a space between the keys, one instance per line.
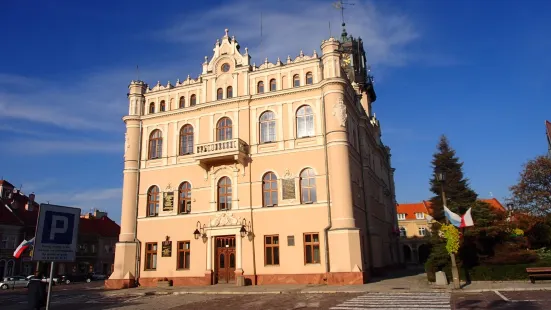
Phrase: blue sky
x=476 y=71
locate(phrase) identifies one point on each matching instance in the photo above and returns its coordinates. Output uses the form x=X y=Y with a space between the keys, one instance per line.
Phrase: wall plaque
x=167 y=248
x=168 y=201
x=288 y=186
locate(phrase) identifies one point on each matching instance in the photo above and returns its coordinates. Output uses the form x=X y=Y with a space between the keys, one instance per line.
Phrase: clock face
x=225 y=67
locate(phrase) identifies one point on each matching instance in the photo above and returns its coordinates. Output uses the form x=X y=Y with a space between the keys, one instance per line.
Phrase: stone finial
x=246 y=50
x=278 y=61
x=206 y=59
x=233 y=38
x=177 y=81
x=158 y=83
x=188 y=78
x=315 y=54
x=266 y=60
x=288 y=59
x=226 y=31
x=168 y=84
x=301 y=53
x=217 y=41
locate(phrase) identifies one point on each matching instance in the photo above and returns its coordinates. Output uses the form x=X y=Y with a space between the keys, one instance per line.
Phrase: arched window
x=308 y=186
x=267 y=127
x=305 y=122
x=152 y=108
x=296 y=80
x=229 y=92
x=184 y=198
x=186 y=140
x=224 y=129
x=309 y=78
x=260 y=87
x=182 y=102
x=403 y=232
x=219 y=94
x=155 y=144
x=273 y=86
x=224 y=194
x=269 y=190
x=162 y=107
x=153 y=201
x=192 y=100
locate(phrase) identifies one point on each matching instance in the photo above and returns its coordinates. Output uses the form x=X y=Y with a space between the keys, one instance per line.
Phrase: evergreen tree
x=460 y=197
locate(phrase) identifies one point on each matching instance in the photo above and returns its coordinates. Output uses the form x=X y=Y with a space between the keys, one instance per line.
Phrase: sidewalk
x=401 y=281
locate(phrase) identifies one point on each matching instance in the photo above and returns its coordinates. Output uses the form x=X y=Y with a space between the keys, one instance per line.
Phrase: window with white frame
x=401 y=216
x=419 y=215
x=422 y=231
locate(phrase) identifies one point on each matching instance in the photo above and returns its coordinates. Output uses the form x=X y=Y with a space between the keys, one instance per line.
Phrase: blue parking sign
x=56 y=234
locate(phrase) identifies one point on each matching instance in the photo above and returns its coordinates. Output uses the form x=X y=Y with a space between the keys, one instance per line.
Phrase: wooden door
x=225 y=259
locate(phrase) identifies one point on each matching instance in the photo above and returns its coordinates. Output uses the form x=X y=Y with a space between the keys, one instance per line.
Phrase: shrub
x=512 y=258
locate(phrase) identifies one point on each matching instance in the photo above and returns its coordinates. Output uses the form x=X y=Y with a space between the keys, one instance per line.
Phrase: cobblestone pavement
x=515 y=300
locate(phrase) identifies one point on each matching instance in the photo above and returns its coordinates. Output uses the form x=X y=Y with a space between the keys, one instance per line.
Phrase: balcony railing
x=234 y=148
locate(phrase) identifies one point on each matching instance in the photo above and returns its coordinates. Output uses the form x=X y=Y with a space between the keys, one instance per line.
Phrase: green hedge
x=494 y=272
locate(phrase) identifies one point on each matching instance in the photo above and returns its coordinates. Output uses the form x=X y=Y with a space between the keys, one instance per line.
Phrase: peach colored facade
x=271 y=174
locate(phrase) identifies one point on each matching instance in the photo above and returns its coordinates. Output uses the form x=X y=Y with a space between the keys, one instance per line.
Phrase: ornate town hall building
x=257 y=174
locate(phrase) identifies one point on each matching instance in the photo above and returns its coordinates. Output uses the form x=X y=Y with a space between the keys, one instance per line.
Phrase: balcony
x=228 y=150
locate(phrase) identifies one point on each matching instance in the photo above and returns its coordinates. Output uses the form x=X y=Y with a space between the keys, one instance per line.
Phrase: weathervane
x=339 y=5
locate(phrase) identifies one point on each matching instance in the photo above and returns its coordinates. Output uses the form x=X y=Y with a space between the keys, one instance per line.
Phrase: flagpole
x=455 y=272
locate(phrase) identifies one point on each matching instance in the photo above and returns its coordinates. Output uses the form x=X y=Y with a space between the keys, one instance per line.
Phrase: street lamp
x=441 y=178
x=200 y=232
x=244 y=232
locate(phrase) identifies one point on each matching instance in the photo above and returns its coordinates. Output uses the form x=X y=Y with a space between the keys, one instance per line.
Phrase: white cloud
x=289 y=27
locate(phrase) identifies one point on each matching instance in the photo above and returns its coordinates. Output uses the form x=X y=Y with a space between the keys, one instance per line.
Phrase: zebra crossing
x=397 y=301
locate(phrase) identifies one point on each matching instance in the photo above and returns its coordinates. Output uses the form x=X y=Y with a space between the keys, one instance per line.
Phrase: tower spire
x=340 y=5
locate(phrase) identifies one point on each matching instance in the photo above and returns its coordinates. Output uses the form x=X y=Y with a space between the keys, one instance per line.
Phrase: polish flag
x=22 y=247
x=467 y=219
x=454 y=219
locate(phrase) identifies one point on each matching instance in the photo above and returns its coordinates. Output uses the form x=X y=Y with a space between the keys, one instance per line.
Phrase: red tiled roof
x=411 y=208
x=104 y=227
x=4 y=182
x=493 y=202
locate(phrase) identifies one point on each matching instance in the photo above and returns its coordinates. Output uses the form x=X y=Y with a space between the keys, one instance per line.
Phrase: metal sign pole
x=50 y=286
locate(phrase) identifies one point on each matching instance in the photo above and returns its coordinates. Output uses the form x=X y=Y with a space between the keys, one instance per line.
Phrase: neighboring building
x=17 y=222
x=97 y=237
x=18 y=218
x=548 y=132
x=227 y=176
x=414 y=231
x=414 y=228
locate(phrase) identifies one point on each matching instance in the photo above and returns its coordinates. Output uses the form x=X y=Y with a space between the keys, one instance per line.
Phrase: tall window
x=155 y=144
x=192 y=100
x=162 y=107
x=151 y=256
x=311 y=248
x=223 y=129
x=296 y=80
x=153 y=198
x=403 y=232
x=273 y=86
x=182 y=103
x=184 y=255
x=224 y=194
x=422 y=231
x=260 y=87
x=307 y=186
x=219 y=94
x=271 y=250
x=309 y=78
x=269 y=190
x=186 y=140
x=152 y=108
x=305 y=122
x=184 y=198
x=229 y=92
x=267 y=127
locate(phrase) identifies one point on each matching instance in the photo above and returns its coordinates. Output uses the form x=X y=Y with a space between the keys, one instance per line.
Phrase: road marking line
x=501 y=295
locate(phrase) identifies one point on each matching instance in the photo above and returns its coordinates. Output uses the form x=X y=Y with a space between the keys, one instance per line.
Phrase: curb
x=511 y=289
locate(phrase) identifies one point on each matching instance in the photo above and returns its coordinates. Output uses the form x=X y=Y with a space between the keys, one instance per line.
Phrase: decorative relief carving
x=339 y=111
x=225 y=219
x=288 y=174
x=169 y=188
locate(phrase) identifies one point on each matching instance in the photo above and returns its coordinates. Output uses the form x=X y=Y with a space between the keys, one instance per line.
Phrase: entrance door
x=225 y=259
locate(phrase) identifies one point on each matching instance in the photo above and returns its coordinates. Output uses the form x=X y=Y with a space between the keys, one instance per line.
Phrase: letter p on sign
x=58 y=228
